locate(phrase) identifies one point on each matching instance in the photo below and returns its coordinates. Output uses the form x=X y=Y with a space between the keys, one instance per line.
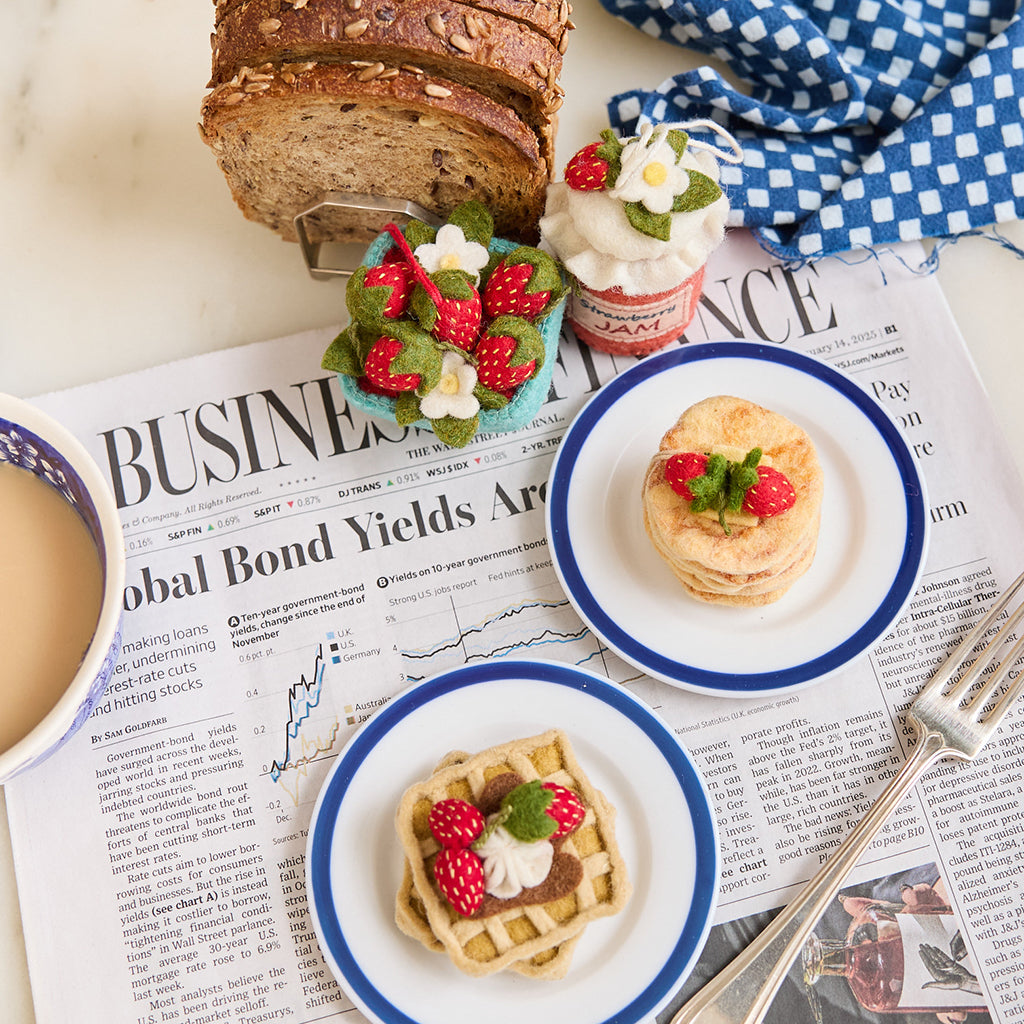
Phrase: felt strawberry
x=460 y=877
x=446 y=304
x=525 y=283
x=772 y=495
x=399 y=279
x=377 y=367
x=534 y=811
x=375 y=296
x=566 y=809
x=714 y=482
x=508 y=353
x=586 y=171
x=682 y=468
x=455 y=823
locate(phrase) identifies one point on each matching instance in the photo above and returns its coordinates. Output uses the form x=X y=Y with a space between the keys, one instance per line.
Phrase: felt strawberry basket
x=452 y=330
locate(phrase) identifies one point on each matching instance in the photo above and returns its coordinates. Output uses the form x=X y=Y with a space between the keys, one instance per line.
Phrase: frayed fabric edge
x=854 y=257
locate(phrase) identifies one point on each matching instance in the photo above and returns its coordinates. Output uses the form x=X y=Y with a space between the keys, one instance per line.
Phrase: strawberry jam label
x=616 y=322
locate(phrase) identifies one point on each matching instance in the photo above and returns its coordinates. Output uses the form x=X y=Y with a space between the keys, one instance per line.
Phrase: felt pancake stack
x=732 y=501
x=509 y=855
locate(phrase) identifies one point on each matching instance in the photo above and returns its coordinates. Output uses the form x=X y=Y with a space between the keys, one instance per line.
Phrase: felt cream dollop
x=591 y=232
x=510 y=865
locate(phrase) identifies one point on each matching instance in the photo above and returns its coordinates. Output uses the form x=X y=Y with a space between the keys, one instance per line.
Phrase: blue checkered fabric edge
x=866 y=122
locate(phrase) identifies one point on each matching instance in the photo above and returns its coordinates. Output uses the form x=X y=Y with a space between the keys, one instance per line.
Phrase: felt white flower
x=453 y=394
x=452 y=251
x=510 y=865
x=650 y=173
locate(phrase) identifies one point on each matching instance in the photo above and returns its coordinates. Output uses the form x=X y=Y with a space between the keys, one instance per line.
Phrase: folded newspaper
x=293 y=565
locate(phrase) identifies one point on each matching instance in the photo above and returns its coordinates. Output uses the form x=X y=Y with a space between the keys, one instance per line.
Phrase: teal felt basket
x=528 y=397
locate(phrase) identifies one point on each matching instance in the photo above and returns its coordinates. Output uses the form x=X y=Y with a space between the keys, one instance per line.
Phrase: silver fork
x=950 y=721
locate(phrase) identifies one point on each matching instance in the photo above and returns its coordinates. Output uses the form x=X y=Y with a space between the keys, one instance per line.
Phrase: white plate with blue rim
x=871 y=545
x=625 y=967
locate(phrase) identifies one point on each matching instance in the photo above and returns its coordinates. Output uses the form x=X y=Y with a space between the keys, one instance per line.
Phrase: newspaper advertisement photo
x=294 y=565
x=889 y=949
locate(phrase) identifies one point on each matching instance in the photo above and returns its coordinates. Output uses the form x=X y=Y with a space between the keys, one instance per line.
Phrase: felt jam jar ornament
x=634 y=222
x=452 y=329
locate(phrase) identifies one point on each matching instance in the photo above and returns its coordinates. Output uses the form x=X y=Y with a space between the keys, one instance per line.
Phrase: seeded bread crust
x=283 y=135
x=505 y=60
x=549 y=17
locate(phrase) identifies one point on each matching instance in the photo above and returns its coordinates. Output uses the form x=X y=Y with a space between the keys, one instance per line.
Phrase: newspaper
x=293 y=565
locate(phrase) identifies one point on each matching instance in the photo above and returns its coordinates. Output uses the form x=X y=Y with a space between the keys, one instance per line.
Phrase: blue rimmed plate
x=871 y=546
x=624 y=968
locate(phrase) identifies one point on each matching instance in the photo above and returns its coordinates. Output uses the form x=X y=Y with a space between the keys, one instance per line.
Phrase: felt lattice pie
x=510 y=854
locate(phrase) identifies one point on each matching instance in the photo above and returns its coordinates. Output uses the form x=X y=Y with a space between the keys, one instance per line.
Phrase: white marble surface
x=122 y=248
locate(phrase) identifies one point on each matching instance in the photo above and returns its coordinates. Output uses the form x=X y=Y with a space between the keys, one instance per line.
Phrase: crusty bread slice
x=549 y=17
x=505 y=60
x=284 y=135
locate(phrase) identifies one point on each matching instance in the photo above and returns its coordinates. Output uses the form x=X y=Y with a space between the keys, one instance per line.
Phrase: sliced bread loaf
x=504 y=59
x=286 y=134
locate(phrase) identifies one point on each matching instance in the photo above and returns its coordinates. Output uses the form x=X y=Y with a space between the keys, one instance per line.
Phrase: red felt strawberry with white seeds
x=508 y=353
x=586 y=171
x=682 y=468
x=399 y=278
x=772 y=495
x=505 y=292
x=460 y=877
x=455 y=823
x=377 y=367
x=525 y=283
x=495 y=371
x=566 y=809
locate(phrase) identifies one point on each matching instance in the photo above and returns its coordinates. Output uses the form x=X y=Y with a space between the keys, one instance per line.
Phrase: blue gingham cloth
x=867 y=122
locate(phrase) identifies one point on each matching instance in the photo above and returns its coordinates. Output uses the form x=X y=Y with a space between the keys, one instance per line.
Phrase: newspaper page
x=294 y=565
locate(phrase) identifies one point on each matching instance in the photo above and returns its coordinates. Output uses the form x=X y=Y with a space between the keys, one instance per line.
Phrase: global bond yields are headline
x=371 y=530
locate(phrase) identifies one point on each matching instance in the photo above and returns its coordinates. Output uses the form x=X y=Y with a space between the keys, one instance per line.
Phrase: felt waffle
x=411 y=917
x=534 y=938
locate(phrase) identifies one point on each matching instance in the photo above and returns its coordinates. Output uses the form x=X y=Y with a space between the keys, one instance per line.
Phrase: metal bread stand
x=372 y=213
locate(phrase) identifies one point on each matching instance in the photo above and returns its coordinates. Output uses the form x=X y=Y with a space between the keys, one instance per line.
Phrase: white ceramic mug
x=34 y=441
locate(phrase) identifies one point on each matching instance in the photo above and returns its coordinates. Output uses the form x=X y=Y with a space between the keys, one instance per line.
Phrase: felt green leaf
x=419 y=354
x=365 y=337
x=524 y=812
x=354 y=291
x=611 y=152
x=407 y=408
x=418 y=233
x=702 y=191
x=475 y=220
x=708 y=490
x=454 y=432
x=656 y=225
x=529 y=342
x=742 y=476
x=341 y=355
x=489 y=399
x=677 y=139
